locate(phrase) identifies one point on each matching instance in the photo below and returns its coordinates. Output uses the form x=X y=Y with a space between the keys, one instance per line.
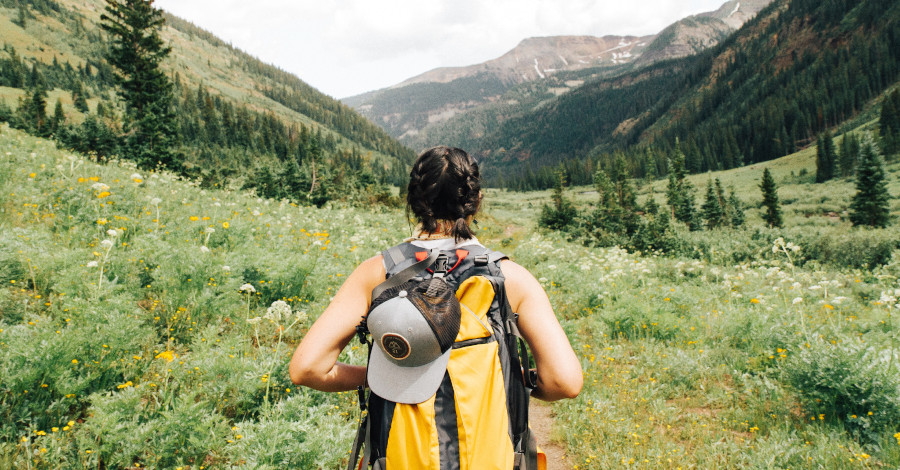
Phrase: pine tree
x=772 y=215
x=651 y=207
x=562 y=213
x=22 y=16
x=33 y=112
x=849 y=154
x=680 y=192
x=736 y=209
x=889 y=123
x=79 y=98
x=59 y=117
x=825 y=157
x=713 y=212
x=136 y=51
x=871 y=204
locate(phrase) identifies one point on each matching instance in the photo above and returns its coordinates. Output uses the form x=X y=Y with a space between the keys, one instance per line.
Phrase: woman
x=444 y=195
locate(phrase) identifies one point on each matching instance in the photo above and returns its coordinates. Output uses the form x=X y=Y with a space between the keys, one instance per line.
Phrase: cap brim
x=410 y=385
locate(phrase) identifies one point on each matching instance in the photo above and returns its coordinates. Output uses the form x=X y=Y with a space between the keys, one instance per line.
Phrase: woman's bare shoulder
x=516 y=273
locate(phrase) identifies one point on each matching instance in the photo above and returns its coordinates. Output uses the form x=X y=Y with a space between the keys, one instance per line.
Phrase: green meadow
x=146 y=322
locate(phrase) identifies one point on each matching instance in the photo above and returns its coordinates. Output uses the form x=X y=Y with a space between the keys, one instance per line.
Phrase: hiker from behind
x=449 y=384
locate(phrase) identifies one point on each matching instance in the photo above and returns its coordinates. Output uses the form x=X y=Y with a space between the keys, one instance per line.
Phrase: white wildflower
x=204 y=249
x=99 y=187
x=254 y=320
x=777 y=244
x=797 y=300
x=226 y=268
x=210 y=230
x=248 y=288
x=278 y=311
x=106 y=243
x=300 y=317
x=257 y=213
x=112 y=233
x=92 y=264
x=155 y=201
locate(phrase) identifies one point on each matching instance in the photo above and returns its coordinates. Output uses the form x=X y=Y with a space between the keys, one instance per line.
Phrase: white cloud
x=351 y=46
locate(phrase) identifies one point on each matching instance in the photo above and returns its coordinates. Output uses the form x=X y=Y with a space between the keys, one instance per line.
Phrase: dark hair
x=444 y=188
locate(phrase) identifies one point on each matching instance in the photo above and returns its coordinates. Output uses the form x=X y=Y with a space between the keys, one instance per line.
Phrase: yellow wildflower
x=169 y=356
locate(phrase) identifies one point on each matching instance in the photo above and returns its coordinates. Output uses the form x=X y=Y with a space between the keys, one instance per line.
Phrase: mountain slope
x=237 y=114
x=795 y=70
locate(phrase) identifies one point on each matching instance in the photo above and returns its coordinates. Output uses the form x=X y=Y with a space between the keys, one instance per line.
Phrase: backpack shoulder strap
x=398 y=257
x=405 y=274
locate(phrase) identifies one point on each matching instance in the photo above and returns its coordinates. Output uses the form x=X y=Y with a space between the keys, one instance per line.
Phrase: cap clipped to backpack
x=413 y=327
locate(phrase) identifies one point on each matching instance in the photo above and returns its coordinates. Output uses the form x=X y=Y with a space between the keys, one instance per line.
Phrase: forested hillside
x=797 y=69
x=239 y=121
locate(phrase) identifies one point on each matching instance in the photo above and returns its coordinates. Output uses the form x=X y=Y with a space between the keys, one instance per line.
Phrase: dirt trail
x=540 y=418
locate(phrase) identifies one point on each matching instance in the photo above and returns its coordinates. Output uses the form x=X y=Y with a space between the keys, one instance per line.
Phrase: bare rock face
x=536 y=58
x=693 y=34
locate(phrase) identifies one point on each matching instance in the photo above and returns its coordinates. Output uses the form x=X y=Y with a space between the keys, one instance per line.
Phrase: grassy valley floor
x=129 y=336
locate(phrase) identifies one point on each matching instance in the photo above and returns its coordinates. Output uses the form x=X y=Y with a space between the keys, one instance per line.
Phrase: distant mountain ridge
x=556 y=64
x=535 y=58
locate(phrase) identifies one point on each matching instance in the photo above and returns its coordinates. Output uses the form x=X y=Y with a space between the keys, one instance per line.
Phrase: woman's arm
x=314 y=363
x=559 y=371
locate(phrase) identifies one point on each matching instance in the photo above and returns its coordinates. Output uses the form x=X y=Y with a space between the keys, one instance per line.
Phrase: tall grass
x=134 y=346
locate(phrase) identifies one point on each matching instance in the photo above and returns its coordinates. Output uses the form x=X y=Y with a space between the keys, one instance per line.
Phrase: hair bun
x=444 y=185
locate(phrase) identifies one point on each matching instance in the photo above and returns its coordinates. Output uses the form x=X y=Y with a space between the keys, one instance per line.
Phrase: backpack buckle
x=481 y=260
x=441 y=265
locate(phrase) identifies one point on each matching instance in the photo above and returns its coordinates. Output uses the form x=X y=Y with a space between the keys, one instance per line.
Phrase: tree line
x=618 y=219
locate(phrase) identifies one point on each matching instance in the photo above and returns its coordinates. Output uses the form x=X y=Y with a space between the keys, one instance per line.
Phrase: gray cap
x=412 y=347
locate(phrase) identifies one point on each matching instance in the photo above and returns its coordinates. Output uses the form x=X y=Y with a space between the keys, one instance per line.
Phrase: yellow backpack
x=478 y=417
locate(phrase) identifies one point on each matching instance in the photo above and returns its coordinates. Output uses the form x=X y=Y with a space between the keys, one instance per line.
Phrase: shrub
x=861 y=249
x=850 y=384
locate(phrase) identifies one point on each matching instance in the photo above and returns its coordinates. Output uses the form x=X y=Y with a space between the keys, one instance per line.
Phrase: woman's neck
x=444 y=229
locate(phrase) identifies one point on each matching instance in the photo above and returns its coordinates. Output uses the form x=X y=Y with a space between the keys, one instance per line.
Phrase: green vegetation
x=871 y=204
x=826 y=158
x=749 y=99
x=772 y=216
x=230 y=120
x=136 y=53
x=135 y=325
x=889 y=123
x=138 y=324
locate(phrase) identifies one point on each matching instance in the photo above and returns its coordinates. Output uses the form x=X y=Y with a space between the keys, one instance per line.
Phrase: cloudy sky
x=347 y=47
